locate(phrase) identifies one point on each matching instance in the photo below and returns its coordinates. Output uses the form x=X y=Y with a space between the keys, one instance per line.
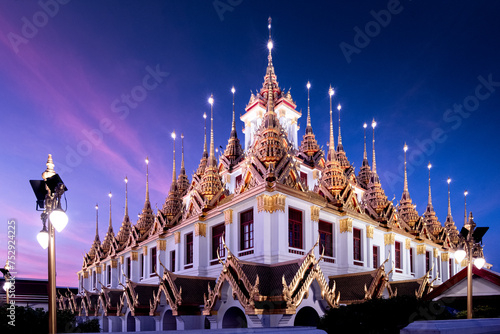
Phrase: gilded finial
x=110 y=195
x=182 y=151
x=147 y=179
x=340 y=136
x=465 y=207
x=374 y=124
x=365 y=156
x=205 y=143
x=405 y=148
x=331 y=149
x=173 y=168
x=449 y=201
x=429 y=166
x=126 y=196
x=233 y=125
x=212 y=150
x=308 y=107
x=96 y=221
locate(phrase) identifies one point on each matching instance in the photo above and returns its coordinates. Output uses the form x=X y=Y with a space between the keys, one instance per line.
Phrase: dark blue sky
x=66 y=77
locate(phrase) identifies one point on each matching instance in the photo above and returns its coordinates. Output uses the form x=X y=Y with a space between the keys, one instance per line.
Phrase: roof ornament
x=374 y=124
x=364 y=172
x=465 y=209
x=331 y=149
x=308 y=107
x=340 y=136
x=147 y=179
x=173 y=167
x=126 y=196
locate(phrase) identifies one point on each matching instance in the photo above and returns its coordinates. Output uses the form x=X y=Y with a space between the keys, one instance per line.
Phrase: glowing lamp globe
x=7 y=286
x=460 y=255
x=479 y=262
x=270 y=45
x=59 y=219
x=43 y=238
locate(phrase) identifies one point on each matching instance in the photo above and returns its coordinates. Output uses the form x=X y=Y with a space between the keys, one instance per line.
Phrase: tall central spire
x=429 y=202
x=212 y=149
x=405 y=188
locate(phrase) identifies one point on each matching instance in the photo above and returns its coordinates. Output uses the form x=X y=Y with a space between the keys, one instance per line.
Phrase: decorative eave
x=138 y=303
x=90 y=303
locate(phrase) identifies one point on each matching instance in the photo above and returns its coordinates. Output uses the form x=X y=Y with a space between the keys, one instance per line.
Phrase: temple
x=272 y=233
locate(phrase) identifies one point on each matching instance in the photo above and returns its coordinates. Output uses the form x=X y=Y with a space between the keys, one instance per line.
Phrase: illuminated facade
x=272 y=234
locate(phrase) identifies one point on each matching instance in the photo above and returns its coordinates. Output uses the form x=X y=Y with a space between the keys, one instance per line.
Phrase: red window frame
x=294 y=228
x=246 y=229
x=397 y=255
x=189 y=248
x=303 y=178
x=356 y=244
x=375 y=256
x=217 y=236
x=325 y=230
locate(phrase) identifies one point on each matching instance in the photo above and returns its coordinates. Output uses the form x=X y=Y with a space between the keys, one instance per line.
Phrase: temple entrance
x=307 y=316
x=234 y=318
x=169 y=322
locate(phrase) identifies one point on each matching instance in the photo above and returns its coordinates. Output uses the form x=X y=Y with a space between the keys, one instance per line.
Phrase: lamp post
x=48 y=193
x=7 y=284
x=470 y=247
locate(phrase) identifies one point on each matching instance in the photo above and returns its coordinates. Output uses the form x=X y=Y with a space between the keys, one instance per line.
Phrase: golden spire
x=374 y=124
x=406 y=208
x=365 y=171
x=212 y=145
x=97 y=223
x=308 y=107
x=106 y=244
x=205 y=141
x=146 y=218
x=147 y=180
x=465 y=209
x=97 y=243
x=211 y=182
x=449 y=223
x=331 y=149
x=173 y=167
x=309 y=145
x=173 y=203
x=124 y=232
x=341 y=156
x=332 y=178
x=182 y=180
x=233 y=149
x=405 y=188
x=430 y=218
x=204 y=157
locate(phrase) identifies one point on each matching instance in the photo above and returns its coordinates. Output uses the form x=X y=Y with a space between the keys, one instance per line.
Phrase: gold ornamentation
x=98 y=269
x=161 y=244
x=345 y=225
x=389 y=238
x=271 y=203
x=135 y=256
x=407 y=243
x=227 y=178
x=464 y=263
x=315 y=174
x=369 y=231
x=315 y=213
x=435 y=252
x=122 y=259
x=85 y=274
x=420 y=249
x=200 y=229
x=282 y=113
x=114 y=263
x=145 y=250
x=177 y=237
x=445 y=257
x=247 y=124
x=228 y=216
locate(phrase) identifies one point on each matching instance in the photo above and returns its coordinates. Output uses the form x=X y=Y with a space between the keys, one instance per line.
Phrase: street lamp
x=48 y=194
x=470 y=248
x=7 y=285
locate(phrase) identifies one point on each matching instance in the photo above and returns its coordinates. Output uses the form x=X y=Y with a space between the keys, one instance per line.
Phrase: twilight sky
x=102 y=84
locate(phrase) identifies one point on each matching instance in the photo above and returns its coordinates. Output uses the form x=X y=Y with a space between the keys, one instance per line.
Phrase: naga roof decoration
x=139 y=297
x=90 y=303
x=287 y=284
x=110 y=301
